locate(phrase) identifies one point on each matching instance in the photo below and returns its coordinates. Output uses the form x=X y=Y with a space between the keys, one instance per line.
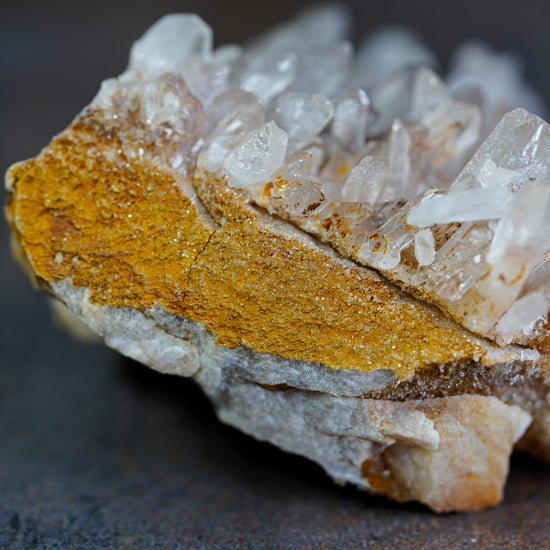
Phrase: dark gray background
x=99 y=452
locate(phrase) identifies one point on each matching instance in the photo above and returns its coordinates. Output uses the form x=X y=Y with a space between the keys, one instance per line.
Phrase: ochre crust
x=128 y=233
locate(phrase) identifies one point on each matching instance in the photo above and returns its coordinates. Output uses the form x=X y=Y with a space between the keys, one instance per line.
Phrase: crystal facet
x=257 y=157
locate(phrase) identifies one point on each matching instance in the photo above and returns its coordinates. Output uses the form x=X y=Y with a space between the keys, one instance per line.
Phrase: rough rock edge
x=449 y=453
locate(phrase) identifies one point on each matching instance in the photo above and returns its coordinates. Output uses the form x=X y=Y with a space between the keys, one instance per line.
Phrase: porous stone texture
x=218 y=214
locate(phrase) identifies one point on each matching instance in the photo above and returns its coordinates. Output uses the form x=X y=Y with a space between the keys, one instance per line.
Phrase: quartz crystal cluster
x=371 y=153
x=347 y=252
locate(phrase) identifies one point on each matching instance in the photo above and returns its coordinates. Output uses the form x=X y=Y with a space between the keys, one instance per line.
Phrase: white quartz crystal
x=399 y=162
x=424 y=249
x=374 y=153
x=324 y=68
x=257 y=157
x=366 y=180
x=462 y=206
x=350 y=120
x=268 y=75
x=303 y=116
x=168 y=43
x=493 y=80
x=522 y=316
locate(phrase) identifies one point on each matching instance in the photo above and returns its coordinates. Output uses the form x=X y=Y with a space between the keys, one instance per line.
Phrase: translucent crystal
x=324 y=68
x=321 y=24
x=228 y=54
x=165 y=117
x=350 y=120
x=267 y=75
x=391 y=99
x=303 y=117
x=520 y=142
x=497 y=79
x=257 y=157
x=399 y=169
x=388 y=51
x=461 y=206
x=206 y=79
x=241 y=106
x=518 y=234
x=510 y=257
x=453 y=127
x=166 y=45
x=297 y=199
x=424 y=249
x=384 y=245
x=366 y=180
x=522 y=316
x=458 y=264
x=232 y=116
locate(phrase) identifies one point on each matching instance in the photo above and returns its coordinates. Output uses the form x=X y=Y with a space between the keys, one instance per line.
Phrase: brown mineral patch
x=273 y=292
x=379 y=476
x=126 y=232
x=129 y=233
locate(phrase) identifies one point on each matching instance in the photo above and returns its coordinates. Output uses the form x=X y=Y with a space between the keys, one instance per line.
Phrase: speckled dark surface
x=99 y=452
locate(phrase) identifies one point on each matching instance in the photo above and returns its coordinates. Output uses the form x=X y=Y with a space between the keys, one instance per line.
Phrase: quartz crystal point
x=344 y=252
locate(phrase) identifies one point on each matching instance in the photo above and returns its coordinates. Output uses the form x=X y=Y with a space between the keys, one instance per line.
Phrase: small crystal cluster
x=370 y=152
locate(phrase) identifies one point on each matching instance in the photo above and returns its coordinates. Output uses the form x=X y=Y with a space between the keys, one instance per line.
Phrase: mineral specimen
x=306 y=233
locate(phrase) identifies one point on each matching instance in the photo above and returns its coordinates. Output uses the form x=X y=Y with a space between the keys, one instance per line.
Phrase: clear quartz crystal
x=370 y=153
x=303 y=116
x=399 y=169
x=350 y=120
x=462 y=206
x=168 y=43
x=496 y=78
x=366 y=180
x=522 y=316
x=165 y=117
x=324 y=68
x=267 y=76
x=257 y=157
x=387 y=52
x=324 y=24
x=424 y=248
x=234 y=115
